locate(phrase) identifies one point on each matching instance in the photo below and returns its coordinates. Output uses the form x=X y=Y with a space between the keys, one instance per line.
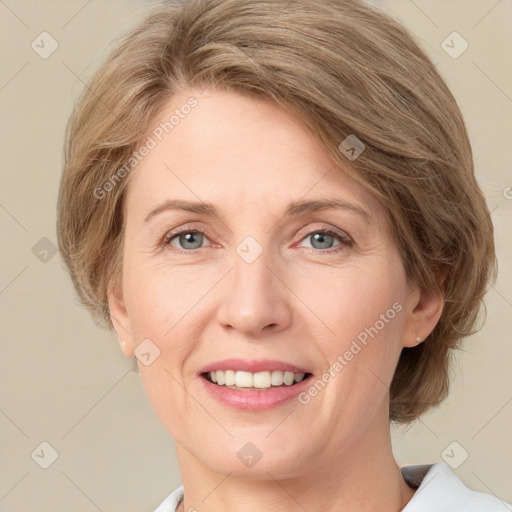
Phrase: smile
x=254 y=381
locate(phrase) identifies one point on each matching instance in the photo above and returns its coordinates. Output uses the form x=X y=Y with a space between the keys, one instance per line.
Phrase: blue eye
x=322 y=239
x=190 y=240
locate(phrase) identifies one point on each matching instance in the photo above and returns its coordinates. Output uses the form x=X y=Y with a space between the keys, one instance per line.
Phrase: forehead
x=237 y=152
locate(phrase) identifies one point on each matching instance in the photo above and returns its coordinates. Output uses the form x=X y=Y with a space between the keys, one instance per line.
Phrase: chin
x=256 y=458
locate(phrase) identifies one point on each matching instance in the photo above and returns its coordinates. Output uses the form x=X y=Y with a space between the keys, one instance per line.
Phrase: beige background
x=65 y=381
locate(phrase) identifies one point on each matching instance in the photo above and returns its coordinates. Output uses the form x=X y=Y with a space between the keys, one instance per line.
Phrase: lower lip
x=255 y=400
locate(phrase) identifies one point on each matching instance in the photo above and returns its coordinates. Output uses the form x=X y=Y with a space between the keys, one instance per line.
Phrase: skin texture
x=298 y=302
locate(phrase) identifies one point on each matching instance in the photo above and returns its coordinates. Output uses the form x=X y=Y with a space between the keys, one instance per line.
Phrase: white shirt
x=438 y=489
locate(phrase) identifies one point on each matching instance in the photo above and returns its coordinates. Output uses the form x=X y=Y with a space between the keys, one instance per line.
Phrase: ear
x=424 y=308
x=120 y=319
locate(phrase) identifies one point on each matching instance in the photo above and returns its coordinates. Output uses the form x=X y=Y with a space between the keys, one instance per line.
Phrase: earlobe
x=425 y=311
x=126 y=347
x=120 y=319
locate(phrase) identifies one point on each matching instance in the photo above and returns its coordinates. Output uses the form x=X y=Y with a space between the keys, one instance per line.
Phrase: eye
x=322 y=240
x=188 y=239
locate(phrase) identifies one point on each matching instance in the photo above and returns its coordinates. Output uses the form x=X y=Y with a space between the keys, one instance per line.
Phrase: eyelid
x=346 y=241
x=338 y=232
x=344 y=237
x=186 y=228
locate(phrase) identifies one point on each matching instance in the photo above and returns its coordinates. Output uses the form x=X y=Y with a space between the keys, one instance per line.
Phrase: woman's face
x=259 y=280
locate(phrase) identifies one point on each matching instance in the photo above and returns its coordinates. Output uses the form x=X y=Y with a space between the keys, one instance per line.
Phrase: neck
x=364 y=477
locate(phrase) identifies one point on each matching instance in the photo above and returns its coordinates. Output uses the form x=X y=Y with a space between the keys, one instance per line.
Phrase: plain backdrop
x=71 y=401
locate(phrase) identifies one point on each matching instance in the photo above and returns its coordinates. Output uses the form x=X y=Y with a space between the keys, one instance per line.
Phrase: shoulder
x=438 y=489
x=171 y=502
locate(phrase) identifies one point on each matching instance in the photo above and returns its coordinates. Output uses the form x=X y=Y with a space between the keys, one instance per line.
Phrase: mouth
x=254 y=386
x=260 y=381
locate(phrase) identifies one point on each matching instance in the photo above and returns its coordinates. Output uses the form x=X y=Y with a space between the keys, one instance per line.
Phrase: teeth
x=260 y=380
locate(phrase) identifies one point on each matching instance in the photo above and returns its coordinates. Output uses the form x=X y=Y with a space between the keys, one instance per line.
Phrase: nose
x=254 y=299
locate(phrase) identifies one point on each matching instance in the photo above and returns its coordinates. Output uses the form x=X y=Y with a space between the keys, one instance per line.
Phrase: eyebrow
x=294 y=208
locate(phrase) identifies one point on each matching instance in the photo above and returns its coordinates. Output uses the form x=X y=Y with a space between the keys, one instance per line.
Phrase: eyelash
x=346 y=241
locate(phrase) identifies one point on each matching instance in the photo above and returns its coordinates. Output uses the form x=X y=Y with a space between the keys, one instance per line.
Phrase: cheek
x=344 y=302
x=166 y=305
x=362 y=314
x=161 y=312
x=158 y=296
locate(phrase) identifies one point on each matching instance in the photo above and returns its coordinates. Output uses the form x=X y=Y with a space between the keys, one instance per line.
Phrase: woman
x=340 y=247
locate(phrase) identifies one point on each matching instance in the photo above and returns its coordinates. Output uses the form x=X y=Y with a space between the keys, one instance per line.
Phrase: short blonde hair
x=341 y=67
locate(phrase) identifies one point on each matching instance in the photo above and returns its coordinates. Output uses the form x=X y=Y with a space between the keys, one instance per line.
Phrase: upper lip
x=252 y=365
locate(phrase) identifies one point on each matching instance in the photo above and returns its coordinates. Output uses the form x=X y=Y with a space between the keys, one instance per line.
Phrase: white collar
x=439 y=489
